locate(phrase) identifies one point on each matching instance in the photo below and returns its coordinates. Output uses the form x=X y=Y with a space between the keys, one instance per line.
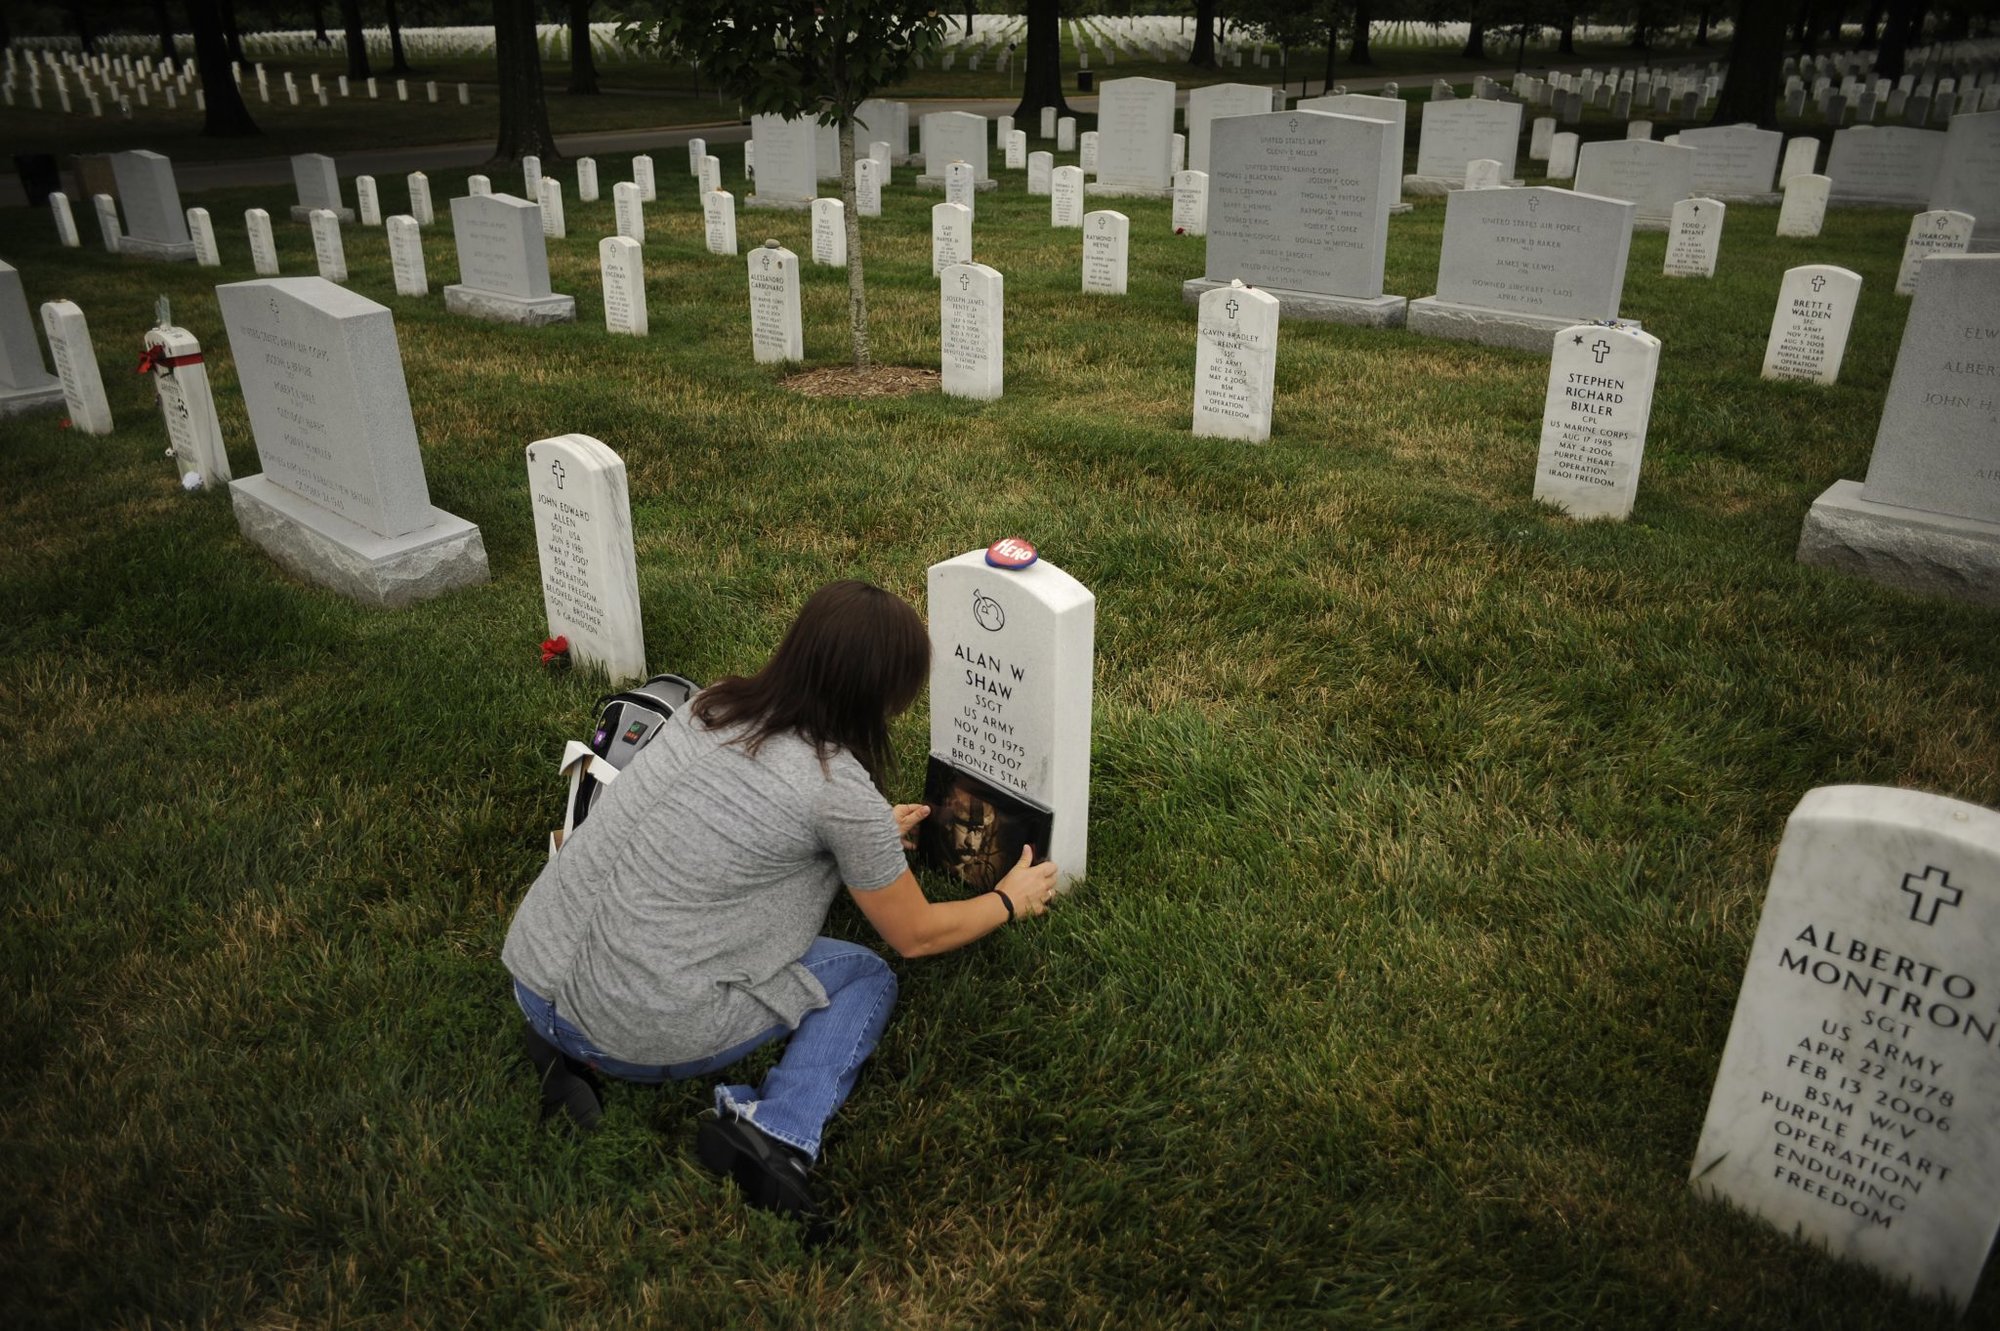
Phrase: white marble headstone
x=1016 y=147
x=328 y=251
x=367 y=201
x=1804 y=209
x=65 y=221
x=108 y=229
x=708 y=173
x=1190 y=213
x=478 y=186
x=867 y=187
x=1106 y=243
x=1563 y=149
x=1809 y=329
x=187 y=405
x=554 y=225
x=1011 y=673
x=1594 y=420
x=420 y=198
x=621 y=260
x=829 y=232
x=1236 y=363
x=1066 y=196
x=629 y=211
x=586 y=180
x=263 y=249
x=583 y=534
x=642 y=176
x=972 y=343
x=406 y=256
x=718 y=218
x=76 y=367
x=1941 y=232
x=776 y=331
x=1086 y=151
x=697 y=148
x=1853 y=1104
x=1041 y=167
x=1801 y=158
x=531 y=177
x=960 y=185
x=951 y=236
x=206 y=253
x=1694 y=238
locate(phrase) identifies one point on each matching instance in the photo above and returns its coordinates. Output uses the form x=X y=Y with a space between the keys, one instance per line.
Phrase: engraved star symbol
x=1579 y=339
x=1817 y=283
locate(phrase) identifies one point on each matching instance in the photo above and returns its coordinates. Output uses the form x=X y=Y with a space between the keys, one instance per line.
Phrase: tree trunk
x=1567 y=45
x=1905 y=25
x=1701 y=28
x=1332 y=49
x=1642 y=38
x=1871 y=24
x=397 y=64
x=1357 y=46
x=1475 y=41
x=357 y=40
x=319 y=23
x=1203 y=54
x=86 y=32
x=524 y=115
x=1041 y=83
x=1756 y=57
x=857 y=291
x=226 y=117
x=582 y=60
x=165 y=20
x=231 y=34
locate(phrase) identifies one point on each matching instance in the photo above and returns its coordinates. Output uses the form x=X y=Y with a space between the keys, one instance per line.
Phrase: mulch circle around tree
x=875 y=381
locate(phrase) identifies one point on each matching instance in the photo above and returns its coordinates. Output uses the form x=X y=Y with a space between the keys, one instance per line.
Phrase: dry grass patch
x=875 y=381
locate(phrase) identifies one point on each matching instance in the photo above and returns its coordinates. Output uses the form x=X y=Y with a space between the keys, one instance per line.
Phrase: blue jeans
x=810 y=1080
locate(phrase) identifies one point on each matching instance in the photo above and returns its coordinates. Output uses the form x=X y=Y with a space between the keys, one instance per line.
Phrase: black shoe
x=568 y=1087
x=774 y=1175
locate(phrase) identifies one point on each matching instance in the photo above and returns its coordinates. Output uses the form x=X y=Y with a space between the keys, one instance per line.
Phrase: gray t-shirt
x=671 y=924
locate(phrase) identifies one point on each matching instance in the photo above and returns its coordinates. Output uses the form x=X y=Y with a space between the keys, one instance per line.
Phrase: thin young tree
x=792 y=58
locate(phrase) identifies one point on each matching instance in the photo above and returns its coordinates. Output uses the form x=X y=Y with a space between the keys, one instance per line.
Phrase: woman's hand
x=1028 y=885
x=908 y=816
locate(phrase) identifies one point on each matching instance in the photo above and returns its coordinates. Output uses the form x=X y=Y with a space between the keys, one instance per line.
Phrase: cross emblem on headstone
x=1817 y=283
x=556 y=470
x=1231 y=306
x=1696 y=210
x=767 y=261
x=1914 y=885
x=1533 y=203
x=1294 y=124
x=1600 y=349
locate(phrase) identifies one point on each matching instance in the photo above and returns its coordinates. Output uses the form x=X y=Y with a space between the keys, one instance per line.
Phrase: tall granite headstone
x=155 y=225
x=1450 y=134
x=1135 y=128
x=25 y=386
x=503 y=263
x=342 y=501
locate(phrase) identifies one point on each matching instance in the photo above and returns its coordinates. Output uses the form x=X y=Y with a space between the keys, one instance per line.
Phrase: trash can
x=1086 y=80
x=40 y=177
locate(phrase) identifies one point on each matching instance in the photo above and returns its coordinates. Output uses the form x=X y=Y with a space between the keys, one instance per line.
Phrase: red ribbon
x=155 y=357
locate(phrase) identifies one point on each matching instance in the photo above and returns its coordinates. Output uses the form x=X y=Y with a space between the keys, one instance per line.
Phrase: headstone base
x=1432 y=186
x=787 y=205
x=1930 y=554
x=504 y=309
x=978 y=186
x=1494 y=328
x=301 y=213
x=1754 y=200
x=1400 y=207
x=327 y=550
x=28 y=401
x=1096 y=190
x=1381 y=312
x=167 y=251
x=1872 y=201
x=1984 y=245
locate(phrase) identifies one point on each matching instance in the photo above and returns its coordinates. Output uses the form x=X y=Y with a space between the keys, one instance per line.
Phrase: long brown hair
x=855 y=657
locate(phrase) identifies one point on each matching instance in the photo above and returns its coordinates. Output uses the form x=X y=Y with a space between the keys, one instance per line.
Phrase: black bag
x=626 y=723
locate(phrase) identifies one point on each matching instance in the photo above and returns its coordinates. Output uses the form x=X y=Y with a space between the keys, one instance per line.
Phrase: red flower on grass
x=555 y=653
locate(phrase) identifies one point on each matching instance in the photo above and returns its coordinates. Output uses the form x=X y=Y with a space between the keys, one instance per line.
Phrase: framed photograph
x=975 y=831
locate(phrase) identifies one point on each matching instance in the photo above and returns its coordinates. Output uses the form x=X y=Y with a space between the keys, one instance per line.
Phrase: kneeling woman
x=679 y=928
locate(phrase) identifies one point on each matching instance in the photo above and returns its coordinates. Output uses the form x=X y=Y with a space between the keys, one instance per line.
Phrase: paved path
x=195 y=177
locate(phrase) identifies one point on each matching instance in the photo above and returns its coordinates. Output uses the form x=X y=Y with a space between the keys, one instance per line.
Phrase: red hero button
x=1011 y=552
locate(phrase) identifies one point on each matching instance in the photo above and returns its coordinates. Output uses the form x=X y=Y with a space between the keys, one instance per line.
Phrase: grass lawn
x=1429 y=828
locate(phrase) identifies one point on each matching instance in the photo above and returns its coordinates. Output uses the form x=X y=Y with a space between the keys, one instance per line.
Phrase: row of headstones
x=171 y=89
